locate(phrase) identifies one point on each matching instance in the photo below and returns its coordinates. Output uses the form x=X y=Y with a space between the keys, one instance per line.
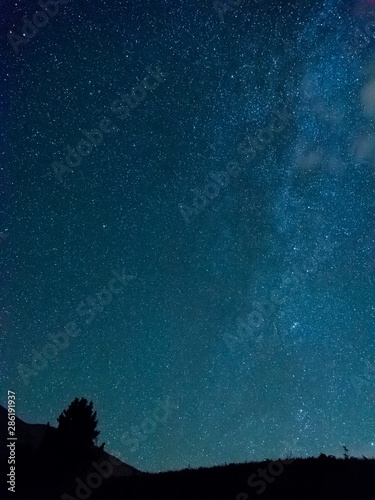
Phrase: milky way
x=187 y=225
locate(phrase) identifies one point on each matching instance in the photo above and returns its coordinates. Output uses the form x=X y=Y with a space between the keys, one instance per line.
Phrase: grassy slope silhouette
x=100 y=476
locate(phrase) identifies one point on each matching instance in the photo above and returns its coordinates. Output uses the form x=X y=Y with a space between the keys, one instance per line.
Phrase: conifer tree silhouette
x=76 y=433
x=78 y=424
x=67 y=450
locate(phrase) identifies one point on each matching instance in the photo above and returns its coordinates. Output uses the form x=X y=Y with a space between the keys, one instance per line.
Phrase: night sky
x=211 y=247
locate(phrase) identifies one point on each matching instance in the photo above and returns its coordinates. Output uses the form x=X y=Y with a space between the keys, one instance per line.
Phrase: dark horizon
x=54 y=466
x=3 y=412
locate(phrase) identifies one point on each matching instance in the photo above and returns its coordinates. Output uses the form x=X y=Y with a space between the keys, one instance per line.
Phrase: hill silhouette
x=103 y=477
x=39 y=473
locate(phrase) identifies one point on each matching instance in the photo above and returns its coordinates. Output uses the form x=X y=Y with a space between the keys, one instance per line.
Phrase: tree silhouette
x=78 y=424
x=67 y=451
x=76 y=434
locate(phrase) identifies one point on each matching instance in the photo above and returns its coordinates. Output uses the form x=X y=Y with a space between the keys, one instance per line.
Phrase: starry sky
x=210 y=248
